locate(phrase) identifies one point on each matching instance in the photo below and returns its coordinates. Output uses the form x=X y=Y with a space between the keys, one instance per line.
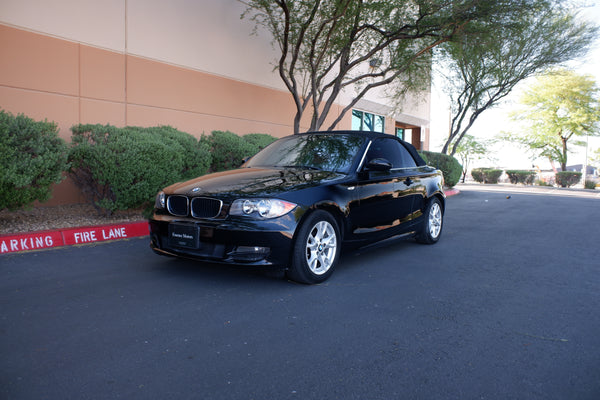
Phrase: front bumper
x=238 y=241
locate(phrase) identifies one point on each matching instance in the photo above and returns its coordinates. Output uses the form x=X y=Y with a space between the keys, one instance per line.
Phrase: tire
x=433 y=221
x=316 y=249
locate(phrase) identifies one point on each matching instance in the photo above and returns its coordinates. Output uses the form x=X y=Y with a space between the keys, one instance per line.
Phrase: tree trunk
x=563 y=162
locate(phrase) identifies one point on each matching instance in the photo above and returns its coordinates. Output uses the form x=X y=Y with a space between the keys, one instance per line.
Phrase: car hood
x=253 y=182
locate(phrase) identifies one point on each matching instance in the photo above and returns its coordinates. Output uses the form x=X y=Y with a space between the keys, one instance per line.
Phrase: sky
x=493 y=121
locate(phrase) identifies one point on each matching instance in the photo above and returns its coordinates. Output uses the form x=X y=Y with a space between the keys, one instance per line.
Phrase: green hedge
x=196 y=156
x=260 y=140
x=449 y=166
x=521 y=176
x=229 y=150
x=486 y=175
x=567 y=178
x=589 y=184
x=123 y=168
x=32 y=158
x=115 y=168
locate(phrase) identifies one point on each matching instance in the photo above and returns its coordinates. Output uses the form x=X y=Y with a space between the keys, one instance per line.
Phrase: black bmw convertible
x=298 y=200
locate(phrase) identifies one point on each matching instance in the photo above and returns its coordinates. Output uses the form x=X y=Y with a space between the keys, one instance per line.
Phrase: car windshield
x=328 y=152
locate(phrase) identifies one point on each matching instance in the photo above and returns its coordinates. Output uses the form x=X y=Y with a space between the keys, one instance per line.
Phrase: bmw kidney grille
x=197 y=207
x=203 y=207
x=178 y=205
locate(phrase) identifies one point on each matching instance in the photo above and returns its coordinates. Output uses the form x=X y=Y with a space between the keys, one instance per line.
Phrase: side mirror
x=379 y=164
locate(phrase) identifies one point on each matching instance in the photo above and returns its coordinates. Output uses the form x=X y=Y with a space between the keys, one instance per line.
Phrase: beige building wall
x=193 y=65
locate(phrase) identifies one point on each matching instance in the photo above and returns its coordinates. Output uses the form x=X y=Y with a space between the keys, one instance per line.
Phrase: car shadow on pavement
x=351 y=259
x=206 y=271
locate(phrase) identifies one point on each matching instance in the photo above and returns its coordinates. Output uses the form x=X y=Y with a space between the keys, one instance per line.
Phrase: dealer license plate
x=183 y=236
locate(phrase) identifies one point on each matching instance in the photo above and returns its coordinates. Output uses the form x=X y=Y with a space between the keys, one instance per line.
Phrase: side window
x=392 y=151
x=407 y=160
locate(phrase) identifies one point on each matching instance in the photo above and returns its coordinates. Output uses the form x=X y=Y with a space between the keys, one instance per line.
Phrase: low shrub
x=123 y=168
x=477 y=175
x=486 y=175
x=493 y=175
x=449 y=166
x=590 y=184
x=567 y=178
x=541 y=182
x=520 y=176
x=196 y=156
x=32 y=158
x=228 y=149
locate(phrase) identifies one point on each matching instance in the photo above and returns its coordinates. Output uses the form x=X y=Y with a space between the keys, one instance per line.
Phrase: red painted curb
x=451 y=192
x=14 y=243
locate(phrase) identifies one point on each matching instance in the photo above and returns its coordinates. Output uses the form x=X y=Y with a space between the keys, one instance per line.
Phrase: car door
x=410 y=184
x=385 y=201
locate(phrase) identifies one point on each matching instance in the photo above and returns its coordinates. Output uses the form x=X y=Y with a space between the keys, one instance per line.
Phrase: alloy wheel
x=321 y=247
x=435 y=220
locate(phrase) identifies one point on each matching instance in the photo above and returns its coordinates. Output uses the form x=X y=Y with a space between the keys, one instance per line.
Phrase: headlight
x=261 y=208
x=160 y=200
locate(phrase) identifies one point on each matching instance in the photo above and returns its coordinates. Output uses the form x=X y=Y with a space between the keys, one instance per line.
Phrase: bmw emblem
x=196 y=190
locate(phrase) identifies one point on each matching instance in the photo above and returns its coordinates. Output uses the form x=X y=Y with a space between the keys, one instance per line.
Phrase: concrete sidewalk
x=537 y=190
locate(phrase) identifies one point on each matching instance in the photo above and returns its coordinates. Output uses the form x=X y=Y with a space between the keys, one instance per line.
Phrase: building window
x=400 y=133
x=364 y=121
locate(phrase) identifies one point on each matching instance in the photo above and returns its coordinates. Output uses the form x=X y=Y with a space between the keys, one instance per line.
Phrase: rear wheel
x=431 y=228
x=316 y=249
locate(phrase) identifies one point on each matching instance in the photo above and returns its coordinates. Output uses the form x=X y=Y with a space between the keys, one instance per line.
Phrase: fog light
x=249 y=253
x=154 y=240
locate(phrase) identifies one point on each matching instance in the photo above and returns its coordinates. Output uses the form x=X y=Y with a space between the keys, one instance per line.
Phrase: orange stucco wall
x=70 y=83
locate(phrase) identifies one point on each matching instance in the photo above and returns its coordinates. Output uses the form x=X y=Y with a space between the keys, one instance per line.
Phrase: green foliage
x=567 y=178
x=486 y=175
x=260 y=140
x=541 y=182
x=519 y=176
x=123 y=168
x=595 y=158
x=229 y=150
x=589 y=184
x=484 y=65
x=469 y=149
x=449 y=166
x=477 y=174
x=32 y=158
x=558 y=108
x=327 y=47
x=196 y=156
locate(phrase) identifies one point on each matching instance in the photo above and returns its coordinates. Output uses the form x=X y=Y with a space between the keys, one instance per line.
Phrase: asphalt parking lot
x=505 y=306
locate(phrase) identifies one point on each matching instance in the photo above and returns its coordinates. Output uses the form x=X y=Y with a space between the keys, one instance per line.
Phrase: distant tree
x=470 y=149
x=595 y=159
x=484 y=66
x=558 y=108
x=329 y=47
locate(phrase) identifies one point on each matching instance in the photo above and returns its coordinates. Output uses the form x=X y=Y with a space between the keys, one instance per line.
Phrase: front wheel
x=316 y=249
x=431 y=228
